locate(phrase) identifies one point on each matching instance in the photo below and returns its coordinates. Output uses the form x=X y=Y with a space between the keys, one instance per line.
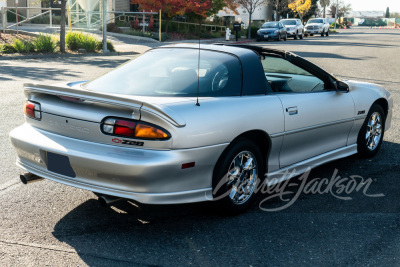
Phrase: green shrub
x=6 y=48
x=112 y=27
x=72 y=40
x=254 y=30
x=45 y=19
x=87 y=42
x=77 y=40
x=45 y=43
x=21 y=46
x=139 y=33
x=110 y=46
x=11 y=17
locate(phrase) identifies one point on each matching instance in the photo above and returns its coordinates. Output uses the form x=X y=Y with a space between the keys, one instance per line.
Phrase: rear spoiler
x=105 y=98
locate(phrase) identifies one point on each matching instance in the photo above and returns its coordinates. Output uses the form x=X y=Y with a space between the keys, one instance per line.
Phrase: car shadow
x=130 y=234
x=328 y=55
x=10 y=71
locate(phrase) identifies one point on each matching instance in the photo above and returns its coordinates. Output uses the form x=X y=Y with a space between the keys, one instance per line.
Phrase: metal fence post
x=51 y=18
x=4 y=18
x=105 y=50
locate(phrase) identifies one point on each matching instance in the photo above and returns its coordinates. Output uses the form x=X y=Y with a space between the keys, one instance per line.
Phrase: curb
x=40 y=56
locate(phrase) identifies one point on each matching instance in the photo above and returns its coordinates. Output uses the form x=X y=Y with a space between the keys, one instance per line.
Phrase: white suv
x=294 y=28
x=317 y=26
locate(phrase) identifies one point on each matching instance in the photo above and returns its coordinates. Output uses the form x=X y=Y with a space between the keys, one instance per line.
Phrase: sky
x=373 y=5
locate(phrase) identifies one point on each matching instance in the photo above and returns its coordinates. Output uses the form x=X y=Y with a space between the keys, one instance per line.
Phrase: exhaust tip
x=29 y=178
x=102 y=202
x=23 y=179
x=106 y=201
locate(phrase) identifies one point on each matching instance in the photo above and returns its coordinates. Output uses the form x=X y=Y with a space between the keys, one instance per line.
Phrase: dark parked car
x=272 y=30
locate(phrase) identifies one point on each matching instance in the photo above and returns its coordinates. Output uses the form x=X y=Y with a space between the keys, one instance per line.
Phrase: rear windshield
x=270 y=25
x=288 y=22
x=316 y=21
x=174 y=72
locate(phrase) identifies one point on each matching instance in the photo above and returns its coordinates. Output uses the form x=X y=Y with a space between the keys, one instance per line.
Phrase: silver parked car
x=294 y=28
x=165 y=128
x=317 y=26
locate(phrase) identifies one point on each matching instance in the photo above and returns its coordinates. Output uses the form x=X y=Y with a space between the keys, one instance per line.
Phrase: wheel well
x=262 y=141
x=384 y=104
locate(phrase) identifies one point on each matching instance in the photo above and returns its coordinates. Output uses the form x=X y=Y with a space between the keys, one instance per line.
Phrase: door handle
x=292 y=110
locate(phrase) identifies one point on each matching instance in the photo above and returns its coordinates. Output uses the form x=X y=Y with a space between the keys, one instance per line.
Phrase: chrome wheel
x=242 y=177
x=374 y=131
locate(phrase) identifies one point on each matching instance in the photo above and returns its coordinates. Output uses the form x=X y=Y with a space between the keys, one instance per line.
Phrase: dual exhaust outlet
x=104 y=200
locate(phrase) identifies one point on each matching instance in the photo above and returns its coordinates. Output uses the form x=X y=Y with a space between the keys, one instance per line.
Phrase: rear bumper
x=147 y=176
x=268 y=36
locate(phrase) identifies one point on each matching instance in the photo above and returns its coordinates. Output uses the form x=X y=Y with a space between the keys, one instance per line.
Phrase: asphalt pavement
x=46 y=223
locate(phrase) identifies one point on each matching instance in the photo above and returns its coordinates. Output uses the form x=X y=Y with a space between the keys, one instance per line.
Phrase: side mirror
x=342 y=87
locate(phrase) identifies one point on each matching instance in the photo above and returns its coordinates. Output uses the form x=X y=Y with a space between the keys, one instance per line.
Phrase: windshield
x=316 y=21
x=174 y=72
x=288 y=22
x=270 y=25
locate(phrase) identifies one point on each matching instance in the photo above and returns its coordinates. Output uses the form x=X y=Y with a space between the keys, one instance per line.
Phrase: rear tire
x=236 y=177
x=371 y=135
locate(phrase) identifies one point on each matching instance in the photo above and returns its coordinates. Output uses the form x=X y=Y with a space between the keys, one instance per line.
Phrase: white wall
x=259 y=14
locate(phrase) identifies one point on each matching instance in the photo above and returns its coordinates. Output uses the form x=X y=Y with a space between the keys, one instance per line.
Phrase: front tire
x=302 y=35
x=327 y=33
x=296 y=36
x=236 y=177
x=370 y=137
x=279 y=38
x=323 y=33
x=285 y=39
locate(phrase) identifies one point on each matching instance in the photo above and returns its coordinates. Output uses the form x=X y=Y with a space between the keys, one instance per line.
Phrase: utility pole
x=337 y=7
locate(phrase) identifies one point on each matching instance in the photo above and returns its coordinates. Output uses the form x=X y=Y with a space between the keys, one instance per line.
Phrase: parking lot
x=46 y=223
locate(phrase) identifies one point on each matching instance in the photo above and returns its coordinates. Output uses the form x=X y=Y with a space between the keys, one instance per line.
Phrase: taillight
x=33 y=110
x=133 y=129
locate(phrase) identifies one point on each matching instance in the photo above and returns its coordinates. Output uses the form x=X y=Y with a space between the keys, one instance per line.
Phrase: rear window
x=270 y=25
x=174 y=72
x=316 y=21
x=288 y=22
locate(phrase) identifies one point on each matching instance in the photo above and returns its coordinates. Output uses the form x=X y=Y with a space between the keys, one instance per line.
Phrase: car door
x=318 y=119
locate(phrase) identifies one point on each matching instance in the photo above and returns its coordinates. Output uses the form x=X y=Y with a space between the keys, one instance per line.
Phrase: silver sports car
x=183 y=124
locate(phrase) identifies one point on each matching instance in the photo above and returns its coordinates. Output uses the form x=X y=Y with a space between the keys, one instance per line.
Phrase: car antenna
x=198 y=70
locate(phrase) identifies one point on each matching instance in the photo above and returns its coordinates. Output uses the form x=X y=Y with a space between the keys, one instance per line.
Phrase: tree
x=343 y=10
x=250 y=6
x=62 y=24
x=280 y=6
x=324 y=4
x=218 y=5
x=169 y=8
x=387 y=13
x=332 y=11
x=301 y=7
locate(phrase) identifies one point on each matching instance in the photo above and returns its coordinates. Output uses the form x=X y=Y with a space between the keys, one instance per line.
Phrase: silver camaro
x=183 y=124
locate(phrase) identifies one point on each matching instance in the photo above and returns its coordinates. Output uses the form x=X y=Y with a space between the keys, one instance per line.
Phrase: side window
x=284 y=77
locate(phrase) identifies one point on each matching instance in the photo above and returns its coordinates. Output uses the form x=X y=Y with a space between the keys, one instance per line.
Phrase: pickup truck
x=317 y=26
